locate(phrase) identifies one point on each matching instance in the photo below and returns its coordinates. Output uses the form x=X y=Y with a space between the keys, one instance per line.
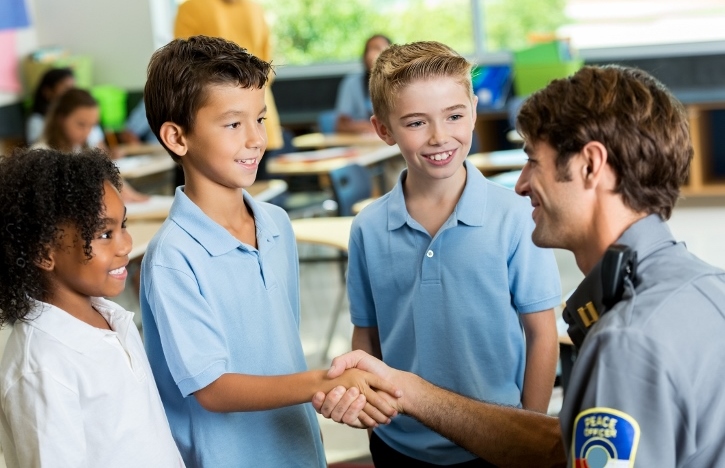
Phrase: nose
x=438 y=135
x=257 y=136
x=125 y=243
x=522 y=185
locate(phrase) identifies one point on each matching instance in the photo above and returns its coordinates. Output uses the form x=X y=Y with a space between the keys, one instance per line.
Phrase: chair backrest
x=350 y=184
x=326 y=121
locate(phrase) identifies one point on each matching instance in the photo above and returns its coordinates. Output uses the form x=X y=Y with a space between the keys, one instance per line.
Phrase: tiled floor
x=698 y=222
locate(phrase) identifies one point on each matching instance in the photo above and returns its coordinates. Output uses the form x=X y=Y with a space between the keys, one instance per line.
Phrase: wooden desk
x=329 y=231
x=141 y=232
x=297 y=165
x=499 y=161
x=140 y=148
x=328 y=140
x=133 y=167
x=157 y=207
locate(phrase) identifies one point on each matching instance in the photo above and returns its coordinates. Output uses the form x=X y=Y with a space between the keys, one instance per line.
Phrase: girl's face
x=373 y=48
x=75 y=278
x=78 y=125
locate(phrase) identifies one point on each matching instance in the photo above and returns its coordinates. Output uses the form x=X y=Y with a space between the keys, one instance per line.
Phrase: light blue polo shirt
x=213 y=305
x=447 y=308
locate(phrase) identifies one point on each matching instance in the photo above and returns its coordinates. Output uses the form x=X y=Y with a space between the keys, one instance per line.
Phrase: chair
x=350 y=184
x=327 y=121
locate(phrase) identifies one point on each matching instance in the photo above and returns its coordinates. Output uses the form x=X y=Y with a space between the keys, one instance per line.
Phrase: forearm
x=541 y=358
x=502 y=435
x=242 y=392
x=368 y=340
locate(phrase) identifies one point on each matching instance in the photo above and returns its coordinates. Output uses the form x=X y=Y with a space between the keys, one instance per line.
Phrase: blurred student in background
x=54 y=82
x=70 y=119
x=353 y=106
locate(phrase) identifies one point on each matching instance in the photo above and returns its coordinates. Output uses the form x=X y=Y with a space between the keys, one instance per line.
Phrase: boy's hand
x=375 y=395
x=351 y=407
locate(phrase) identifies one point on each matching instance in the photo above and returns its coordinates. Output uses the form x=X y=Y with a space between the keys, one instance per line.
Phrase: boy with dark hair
x=220 y=286
x=443 y=274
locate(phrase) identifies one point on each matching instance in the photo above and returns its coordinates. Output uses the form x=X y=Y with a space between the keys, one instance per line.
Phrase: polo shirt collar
x=74 y=333
x=469 y=210
x=211 y=235
x=647 y=236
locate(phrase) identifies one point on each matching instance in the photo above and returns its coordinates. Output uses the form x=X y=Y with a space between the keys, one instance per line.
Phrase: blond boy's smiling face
x=228 y=139
x=432 y=123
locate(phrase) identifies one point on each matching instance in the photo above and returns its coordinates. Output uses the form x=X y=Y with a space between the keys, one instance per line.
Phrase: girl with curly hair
x=76 y=388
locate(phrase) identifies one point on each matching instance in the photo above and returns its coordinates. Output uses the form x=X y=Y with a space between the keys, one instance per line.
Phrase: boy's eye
x=105 y=235
x=123 y=223
x=234 y=125
x=417 y=123
x=261 y=120
x=456 y=117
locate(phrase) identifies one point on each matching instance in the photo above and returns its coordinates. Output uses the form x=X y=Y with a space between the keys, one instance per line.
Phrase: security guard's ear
x=174 y=137
x=594 y=168
x=382 y=130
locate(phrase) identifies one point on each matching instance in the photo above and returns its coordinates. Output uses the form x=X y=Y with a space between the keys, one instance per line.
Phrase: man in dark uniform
x=608 y=151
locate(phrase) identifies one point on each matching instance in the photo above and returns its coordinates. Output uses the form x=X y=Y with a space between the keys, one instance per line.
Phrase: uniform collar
x=647 y=236
x=469 y=210
x=211 y=235
x=74 y=333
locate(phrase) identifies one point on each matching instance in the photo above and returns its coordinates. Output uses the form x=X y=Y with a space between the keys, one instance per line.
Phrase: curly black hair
x=40 y=190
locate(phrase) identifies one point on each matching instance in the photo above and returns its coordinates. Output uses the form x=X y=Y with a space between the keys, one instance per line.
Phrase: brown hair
x=180 y=72
x=60 y=108
x=640 y=123
x=399 y=65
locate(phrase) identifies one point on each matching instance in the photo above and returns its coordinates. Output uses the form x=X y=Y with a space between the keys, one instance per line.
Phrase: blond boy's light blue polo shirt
x=447 y=307
x=213 y=305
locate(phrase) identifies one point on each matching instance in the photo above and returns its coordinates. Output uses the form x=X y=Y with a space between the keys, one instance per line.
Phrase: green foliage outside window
x=324 y=31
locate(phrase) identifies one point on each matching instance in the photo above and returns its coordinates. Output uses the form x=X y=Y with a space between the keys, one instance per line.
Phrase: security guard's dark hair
x=643 y=127
x=180 y=73
x=41 y=190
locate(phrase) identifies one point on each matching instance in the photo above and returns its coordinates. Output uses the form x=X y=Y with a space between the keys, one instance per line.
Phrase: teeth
x=246 y=161
x=440 y=156
x=118 y=271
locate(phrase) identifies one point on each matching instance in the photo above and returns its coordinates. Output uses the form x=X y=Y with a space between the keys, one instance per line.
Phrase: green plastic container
x=532 y=77
x=546 y=53
x=112 y=102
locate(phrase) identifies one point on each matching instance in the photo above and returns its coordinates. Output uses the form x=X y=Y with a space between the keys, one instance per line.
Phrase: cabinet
x=706 y=178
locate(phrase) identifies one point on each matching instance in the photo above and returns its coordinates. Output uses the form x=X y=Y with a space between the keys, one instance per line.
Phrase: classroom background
x=319 y=176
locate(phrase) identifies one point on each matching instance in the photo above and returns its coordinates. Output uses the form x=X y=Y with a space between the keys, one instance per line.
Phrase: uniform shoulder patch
x=604 y=438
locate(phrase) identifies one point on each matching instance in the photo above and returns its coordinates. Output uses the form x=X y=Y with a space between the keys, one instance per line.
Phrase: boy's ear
x=173 y=136
x=382 y=130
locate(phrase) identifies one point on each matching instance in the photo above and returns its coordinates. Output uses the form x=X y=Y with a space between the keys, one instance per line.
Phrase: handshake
x=363 y=406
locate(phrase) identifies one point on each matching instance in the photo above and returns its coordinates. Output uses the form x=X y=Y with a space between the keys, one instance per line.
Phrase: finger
x=374 y=413
x=351 y=416
x=317 y=400
x=385 y=403
x=341 y=407
x=346 y=361
x=388 y=387
x=331 y=401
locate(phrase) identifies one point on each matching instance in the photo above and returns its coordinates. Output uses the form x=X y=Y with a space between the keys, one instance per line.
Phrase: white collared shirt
x=69 y=397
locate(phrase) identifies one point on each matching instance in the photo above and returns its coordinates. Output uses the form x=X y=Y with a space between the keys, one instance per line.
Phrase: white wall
x=117 y=34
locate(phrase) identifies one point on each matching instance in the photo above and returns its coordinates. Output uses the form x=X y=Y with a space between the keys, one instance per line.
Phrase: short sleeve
x=192 y=334
x=348 y=98
x=46 y=422
x=533 y=274
x=362 y=305
x=627 y=400
x=95 y=137
x=34 y=128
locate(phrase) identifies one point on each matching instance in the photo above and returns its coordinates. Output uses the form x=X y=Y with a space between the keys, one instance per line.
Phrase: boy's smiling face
x=432 y=123
x=228 y=139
